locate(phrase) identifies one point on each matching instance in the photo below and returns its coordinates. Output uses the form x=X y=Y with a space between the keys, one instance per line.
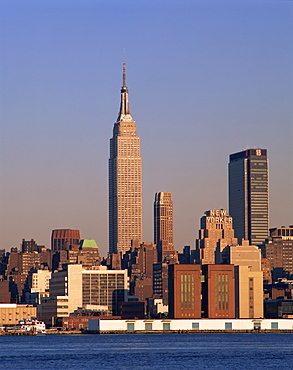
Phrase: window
x=166 y=326
x=195 y=325
x=228 y=325
x=148 y=326
x=256 y=325
x=130 y=326
x=274 y=325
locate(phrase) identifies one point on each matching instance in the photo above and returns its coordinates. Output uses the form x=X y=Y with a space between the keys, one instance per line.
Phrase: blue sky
x=205 y=78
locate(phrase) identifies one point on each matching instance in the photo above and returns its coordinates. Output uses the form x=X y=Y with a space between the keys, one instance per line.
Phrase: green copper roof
x=87 y=243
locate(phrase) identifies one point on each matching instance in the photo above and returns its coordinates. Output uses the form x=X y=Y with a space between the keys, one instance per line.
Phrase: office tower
x=184 y=285
x=65 y=239
x=163 y=218
x=216 y=232
x=125 y=179
x=76 y=287
x=248 y=195
x=218 y=296
x=279 y=251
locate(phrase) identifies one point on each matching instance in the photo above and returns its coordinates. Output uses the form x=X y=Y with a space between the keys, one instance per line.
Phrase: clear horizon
x=206 y=79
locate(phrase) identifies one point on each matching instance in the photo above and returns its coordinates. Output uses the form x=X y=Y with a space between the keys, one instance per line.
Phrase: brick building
x=218 y=291
x=184 y=291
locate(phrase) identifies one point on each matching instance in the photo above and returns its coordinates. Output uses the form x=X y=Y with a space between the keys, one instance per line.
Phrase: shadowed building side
x=249 y=195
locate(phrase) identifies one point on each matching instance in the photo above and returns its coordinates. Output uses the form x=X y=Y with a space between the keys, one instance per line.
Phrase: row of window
x=195 y=325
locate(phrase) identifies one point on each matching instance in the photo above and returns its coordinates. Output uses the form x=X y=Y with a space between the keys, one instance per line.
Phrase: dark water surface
x=148 y=351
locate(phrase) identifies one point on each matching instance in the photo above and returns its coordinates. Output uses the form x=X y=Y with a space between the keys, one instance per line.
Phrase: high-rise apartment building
x=125 y=179
x=248 y=195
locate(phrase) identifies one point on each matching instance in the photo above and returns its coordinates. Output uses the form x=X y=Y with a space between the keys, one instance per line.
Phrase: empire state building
x=125 y=179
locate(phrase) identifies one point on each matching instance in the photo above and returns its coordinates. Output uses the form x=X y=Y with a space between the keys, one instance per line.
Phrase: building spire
x=124 y=113
x=124 y=74
x=124 y=68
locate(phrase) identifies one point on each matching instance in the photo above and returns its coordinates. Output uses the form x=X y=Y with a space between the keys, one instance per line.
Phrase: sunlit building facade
x=125 y=180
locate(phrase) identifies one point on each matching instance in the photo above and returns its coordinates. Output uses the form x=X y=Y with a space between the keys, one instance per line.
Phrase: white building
x=76 y=287
x=189 y=325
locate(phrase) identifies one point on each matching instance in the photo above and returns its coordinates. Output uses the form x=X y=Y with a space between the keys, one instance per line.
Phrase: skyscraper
x=163 y=218
x=248 y=195
x=216 y=232
x=125 y=179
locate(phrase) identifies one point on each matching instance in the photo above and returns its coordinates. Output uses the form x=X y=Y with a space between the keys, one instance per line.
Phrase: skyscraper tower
x=125 y=179
x=249 y=195
x=216 y=232
x=163 y=218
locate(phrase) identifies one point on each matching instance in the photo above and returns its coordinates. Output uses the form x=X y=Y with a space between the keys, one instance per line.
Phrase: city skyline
x=217 y=83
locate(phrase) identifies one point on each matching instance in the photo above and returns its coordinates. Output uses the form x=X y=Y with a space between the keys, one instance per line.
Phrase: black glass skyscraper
x=248 y=195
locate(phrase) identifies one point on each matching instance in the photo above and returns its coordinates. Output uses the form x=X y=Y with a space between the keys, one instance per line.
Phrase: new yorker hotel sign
x=218 y=216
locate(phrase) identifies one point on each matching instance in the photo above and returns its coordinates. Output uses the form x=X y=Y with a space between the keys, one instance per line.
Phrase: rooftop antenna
x=124 y=68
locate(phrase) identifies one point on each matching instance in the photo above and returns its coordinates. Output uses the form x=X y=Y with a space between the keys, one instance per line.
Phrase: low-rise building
x=189 y=325
x=11 y=314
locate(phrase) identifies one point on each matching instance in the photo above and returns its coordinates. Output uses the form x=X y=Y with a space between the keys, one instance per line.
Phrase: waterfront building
x=189 y=325
x=249 y=195
x=184 y=291
x=75 y=287
x=216 y=232
x=102 y=287
x=125 y=180
x=11 y=314
x=218 y=291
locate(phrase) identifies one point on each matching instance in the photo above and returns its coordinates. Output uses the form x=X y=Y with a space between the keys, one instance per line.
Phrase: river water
x=148 y=351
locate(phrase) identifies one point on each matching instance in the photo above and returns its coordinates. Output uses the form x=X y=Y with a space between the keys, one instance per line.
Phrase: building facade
x=65 y=239
x=11 y=314
x=248 y=195
x=249 y=295
x=75 y=287
x=184 y=291
x=125 y=179
x=218 y=291
x=163 y=218
x=279 y=251
x=216 y=232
